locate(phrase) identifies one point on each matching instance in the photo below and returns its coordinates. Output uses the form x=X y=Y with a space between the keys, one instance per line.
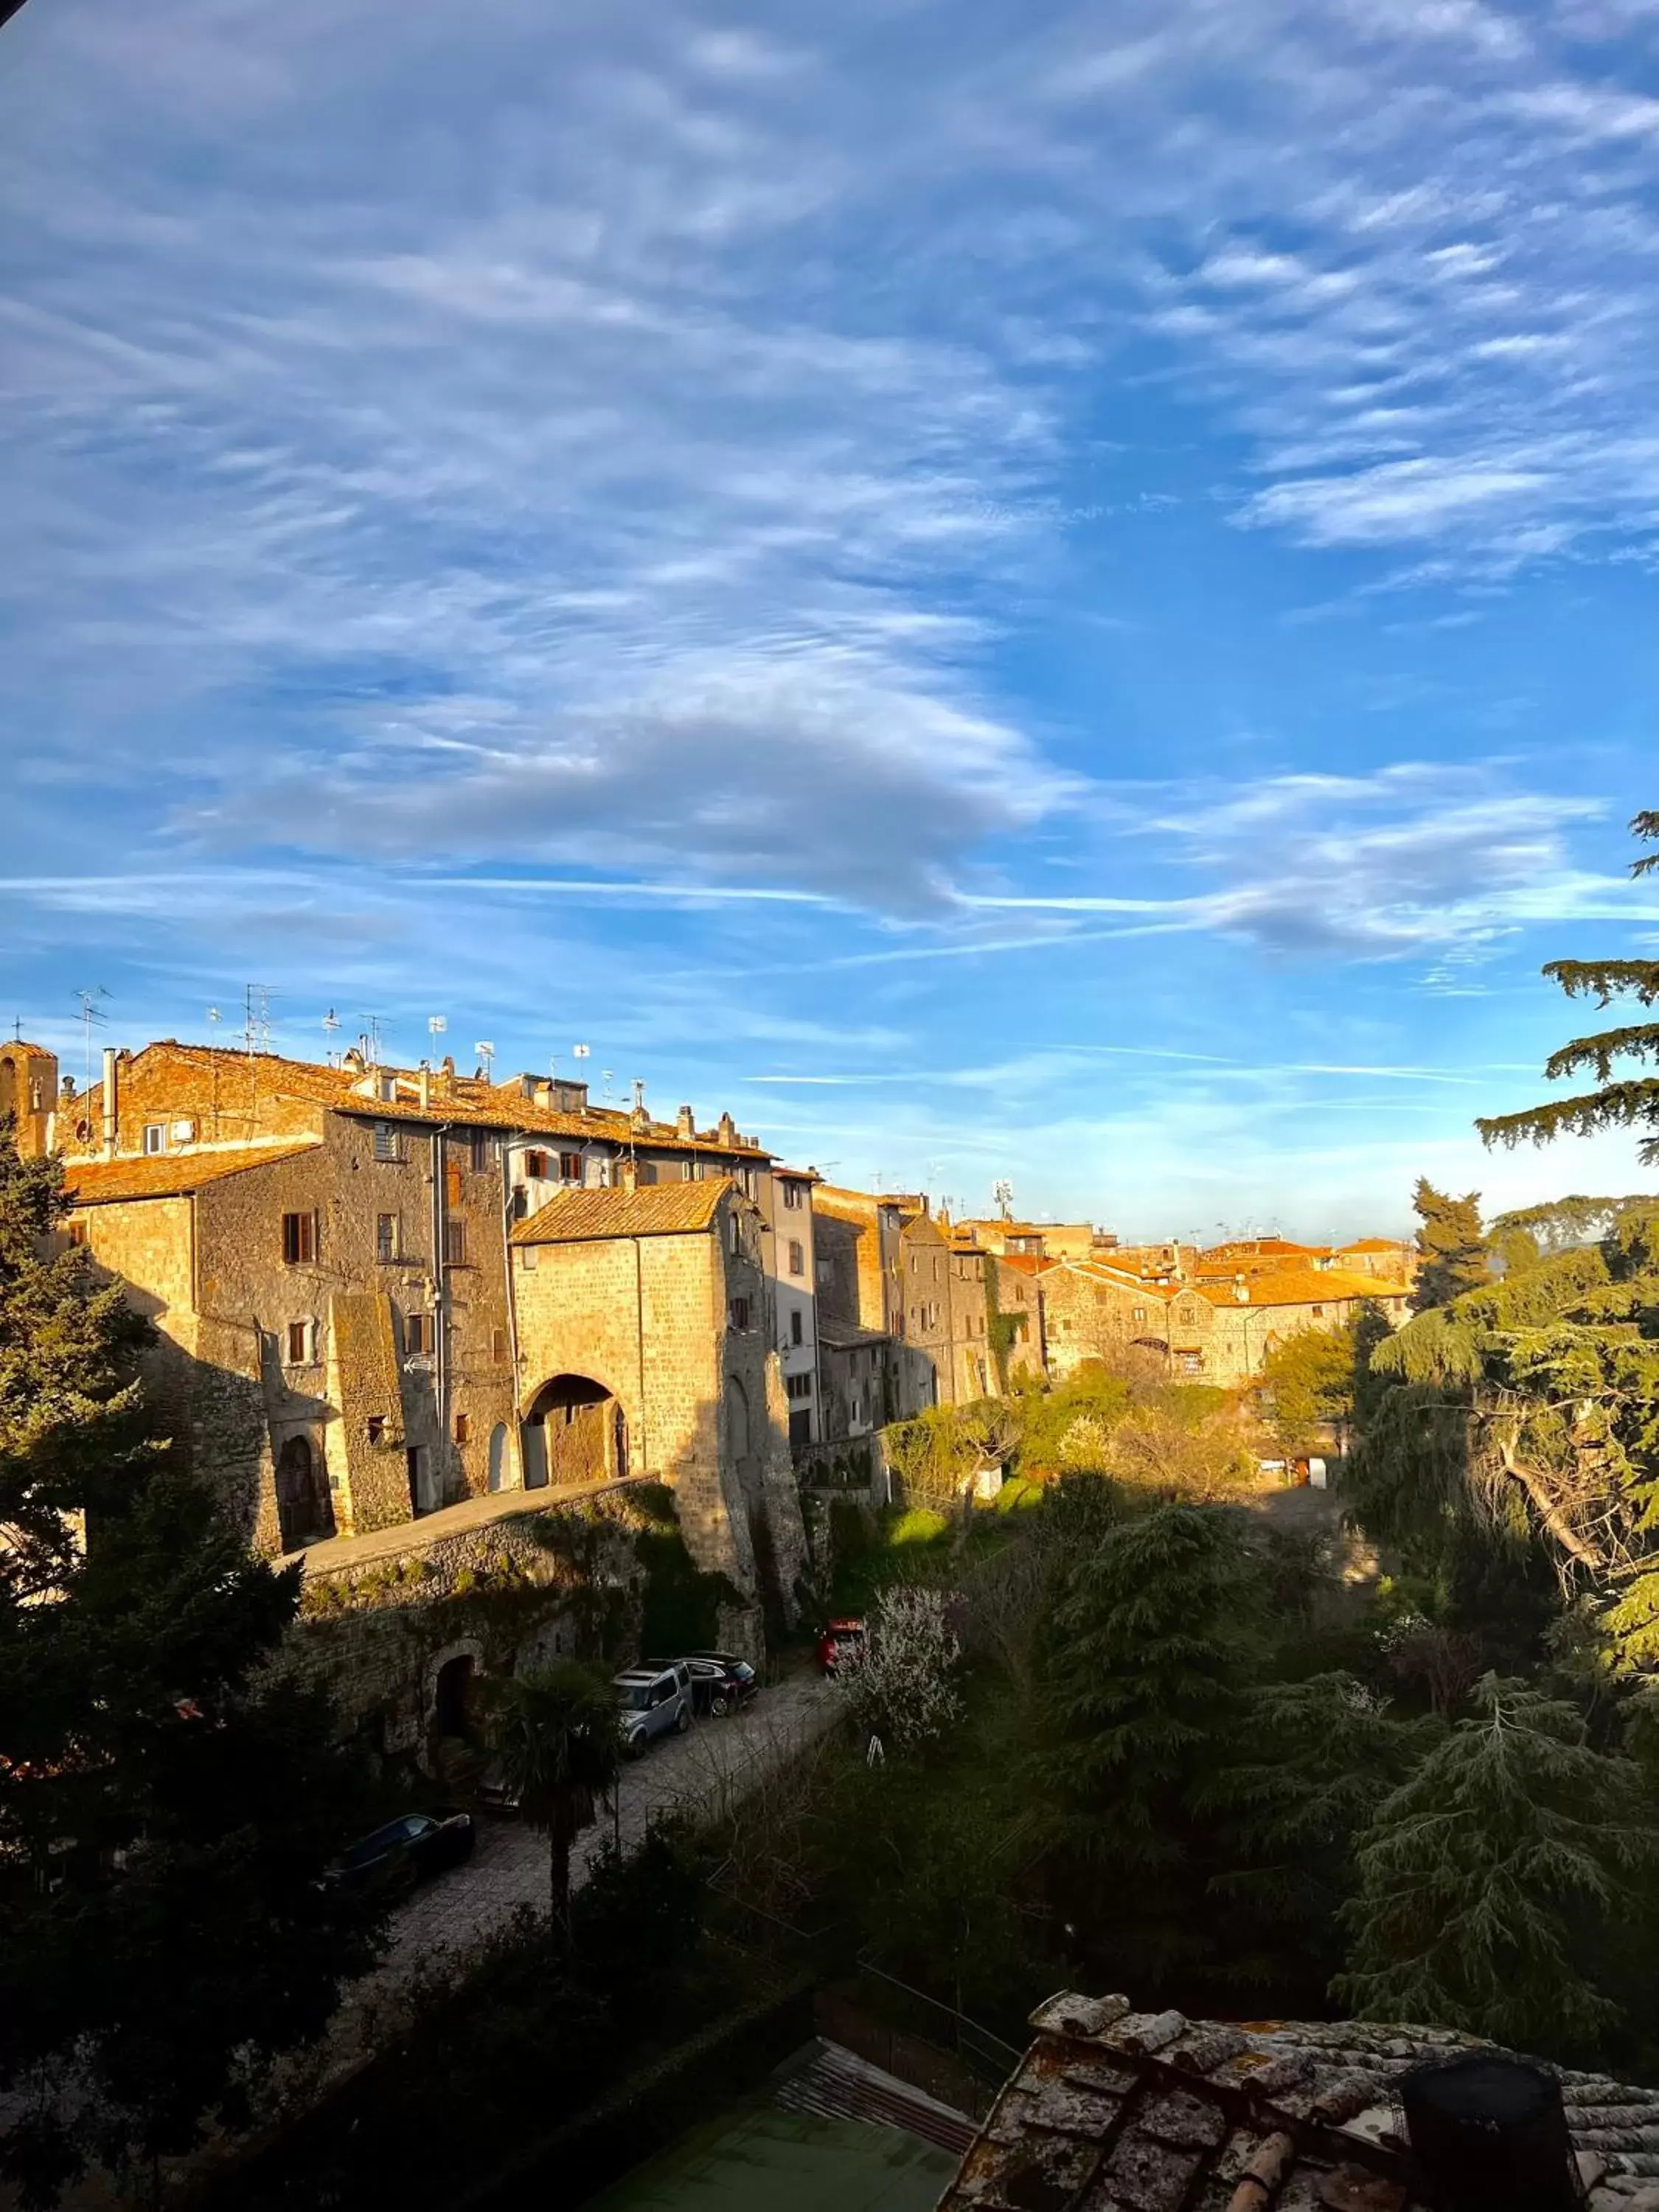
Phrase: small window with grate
x=388 y=1142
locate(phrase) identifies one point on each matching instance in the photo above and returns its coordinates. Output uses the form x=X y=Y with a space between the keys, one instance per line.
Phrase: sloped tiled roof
x=847 y=1336
x=1289 y=1286
x=470 y=1101
x=167 y=1175
x=1116 y=2111
x=657 y=1209
x=1375 y=1244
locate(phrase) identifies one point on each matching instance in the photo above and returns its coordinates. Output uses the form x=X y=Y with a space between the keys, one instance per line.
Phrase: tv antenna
x=607 y=1078
x=486 y=1052
x=581 y=1051
x=92 y=1016
x=215 y=1016
x=256 y=1025
x=639 y=1096
x=436 y=1024
x=1002 y=1193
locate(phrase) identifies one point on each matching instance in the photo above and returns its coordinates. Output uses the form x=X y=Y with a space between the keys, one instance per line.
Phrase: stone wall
x=502 y=1596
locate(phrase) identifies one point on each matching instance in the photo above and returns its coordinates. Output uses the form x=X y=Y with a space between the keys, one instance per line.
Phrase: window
x=386 y=1086
x=913 y=1263
x=156 y=1136
x=535 y=1166
x=377 y=1428
x=1317 y=1311
x=299 y=1239
x=463 y=1428
x=797 y=1256
x=527 y=1258
x=477 y=1145
x=797 y=1327
x=302 y=1344
x=825 y=1271
x=420 y=1335
x=793 y=1195
x=570 y=1167
x=498 y=1347
x=1189 y=1362
x=799 y=1386
x=388 y=1143
x=77 y=1232
x=454 y=1244
x=388 y=1235
x=739 y=1311
x=734 y=1232
x=1139 y=1314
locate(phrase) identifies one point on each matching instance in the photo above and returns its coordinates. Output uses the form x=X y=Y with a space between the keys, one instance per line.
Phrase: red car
x=840 y=1638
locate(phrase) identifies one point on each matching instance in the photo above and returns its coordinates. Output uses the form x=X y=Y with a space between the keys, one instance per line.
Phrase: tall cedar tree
x=1143 y=1671
x=1452 y=1256
x=1627 y=1103
x=166 y=1805
x=1491 y=1878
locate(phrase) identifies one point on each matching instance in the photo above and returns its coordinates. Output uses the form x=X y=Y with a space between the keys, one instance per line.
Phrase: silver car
x=651 y=1701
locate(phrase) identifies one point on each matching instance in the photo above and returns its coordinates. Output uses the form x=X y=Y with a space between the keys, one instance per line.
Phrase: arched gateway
x=574 y=1433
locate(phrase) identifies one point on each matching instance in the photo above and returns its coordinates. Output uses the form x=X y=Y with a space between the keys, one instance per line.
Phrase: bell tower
x=28 y=1093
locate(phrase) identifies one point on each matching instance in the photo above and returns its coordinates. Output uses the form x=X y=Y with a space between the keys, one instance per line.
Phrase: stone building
x=324 y=1252
x=644 y=1345
x=790 y=1247
x=1036 y=1240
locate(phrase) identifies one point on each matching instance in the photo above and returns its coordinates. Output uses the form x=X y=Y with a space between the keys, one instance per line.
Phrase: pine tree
x=1450 y=1251
x=1487 y=1879
x=1142 y=1674
x=1627 y=1103
x=166 y=1801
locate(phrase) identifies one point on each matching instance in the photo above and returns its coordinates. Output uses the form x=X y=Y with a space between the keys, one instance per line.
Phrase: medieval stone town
x=387 y=1296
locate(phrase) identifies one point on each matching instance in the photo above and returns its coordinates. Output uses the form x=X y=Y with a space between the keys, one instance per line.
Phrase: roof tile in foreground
x=1116 y=2110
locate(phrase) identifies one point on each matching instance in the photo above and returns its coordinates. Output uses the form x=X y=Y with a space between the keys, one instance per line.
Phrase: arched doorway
x=574 y=1433
x=303 y=1509
x=498 y=1467
x=454 y=1696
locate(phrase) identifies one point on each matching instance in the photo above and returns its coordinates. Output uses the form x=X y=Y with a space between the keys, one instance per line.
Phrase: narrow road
x=445 y=1921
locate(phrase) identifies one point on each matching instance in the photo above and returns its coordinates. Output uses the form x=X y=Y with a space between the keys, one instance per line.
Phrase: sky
x=1061 y=593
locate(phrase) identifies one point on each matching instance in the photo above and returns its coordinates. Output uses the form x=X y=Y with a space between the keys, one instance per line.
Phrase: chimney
x=1488 y=2134
x=684 y=1124
x=426 y=1084
x=446 y=1075
x=726 y=1130
x=628 y=1174
x=111 y=1122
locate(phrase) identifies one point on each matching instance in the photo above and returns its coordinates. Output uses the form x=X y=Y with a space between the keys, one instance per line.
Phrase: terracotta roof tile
x=169 y=1174
x=659 y=1209
x=468 y=1101
x=1292 y=1286
x=1155 y=2112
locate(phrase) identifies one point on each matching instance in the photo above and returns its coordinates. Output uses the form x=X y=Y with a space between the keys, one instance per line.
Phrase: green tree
x=1487 y=1876
x=554 y=1733
x=1306 y=1380
x=167 y=1800
x=1616 y=1103
x=1317 y=1756
x=1142 y=1674
x=1452 y=1254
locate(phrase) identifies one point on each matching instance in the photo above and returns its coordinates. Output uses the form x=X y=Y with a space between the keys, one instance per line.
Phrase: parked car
x=405 y=1851
x=651 y=1700
x=721 y=1681
x=839 y=1640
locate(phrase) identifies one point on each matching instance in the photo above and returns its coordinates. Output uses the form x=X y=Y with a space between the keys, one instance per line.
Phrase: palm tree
x=554 y=1735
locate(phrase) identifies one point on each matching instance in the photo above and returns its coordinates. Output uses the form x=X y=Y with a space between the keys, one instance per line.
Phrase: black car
x=405 y=1851
x=721 y=1681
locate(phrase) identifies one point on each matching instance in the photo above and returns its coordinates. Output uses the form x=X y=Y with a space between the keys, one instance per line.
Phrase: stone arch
x=574 y=1431
x=305 y=1513
x=500 y=1474
x=452 y=1679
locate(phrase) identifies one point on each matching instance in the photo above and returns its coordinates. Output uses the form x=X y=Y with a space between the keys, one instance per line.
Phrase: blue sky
x=1056 y=592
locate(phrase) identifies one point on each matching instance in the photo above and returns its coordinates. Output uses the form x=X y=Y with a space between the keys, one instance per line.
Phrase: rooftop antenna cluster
x=256 y=1023
x=1003 y=1195
x=486 y=1051
x=92 y=1016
